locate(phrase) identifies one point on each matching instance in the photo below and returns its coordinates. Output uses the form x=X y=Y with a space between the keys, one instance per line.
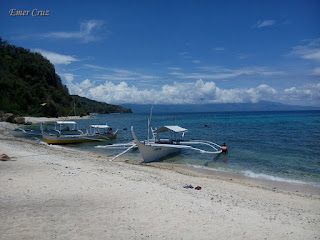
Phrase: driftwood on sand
x=5 y=157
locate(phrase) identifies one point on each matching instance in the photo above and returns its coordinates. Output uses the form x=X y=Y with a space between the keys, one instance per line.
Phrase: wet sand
x=52 y=193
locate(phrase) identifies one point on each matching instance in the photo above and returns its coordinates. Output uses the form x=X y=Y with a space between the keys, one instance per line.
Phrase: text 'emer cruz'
x=35 y=12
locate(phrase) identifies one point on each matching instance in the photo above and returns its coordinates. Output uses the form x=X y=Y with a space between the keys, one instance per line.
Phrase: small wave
x=251 y=174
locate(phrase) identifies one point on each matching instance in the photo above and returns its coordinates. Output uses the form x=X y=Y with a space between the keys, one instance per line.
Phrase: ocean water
x=283 y=146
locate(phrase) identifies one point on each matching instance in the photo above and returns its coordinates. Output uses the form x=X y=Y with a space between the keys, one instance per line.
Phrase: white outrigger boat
x=66 y=132
x=157 y=148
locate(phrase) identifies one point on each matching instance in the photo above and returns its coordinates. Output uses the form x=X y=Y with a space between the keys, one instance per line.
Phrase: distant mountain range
x=219 y=107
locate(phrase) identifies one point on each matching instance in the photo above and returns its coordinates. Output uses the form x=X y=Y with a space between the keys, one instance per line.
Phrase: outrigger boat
x=66 y=132
x=157 y=148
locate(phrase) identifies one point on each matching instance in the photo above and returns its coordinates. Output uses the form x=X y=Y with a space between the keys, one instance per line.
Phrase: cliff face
x=27 y=80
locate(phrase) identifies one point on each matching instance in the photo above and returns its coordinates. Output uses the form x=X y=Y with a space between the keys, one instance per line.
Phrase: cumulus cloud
x=306 y=95
x=88 y=32
x=69 y=77
x=56 y=58
x=294 y=93
x=265 y=23
x=310 y=94
x=196 y=92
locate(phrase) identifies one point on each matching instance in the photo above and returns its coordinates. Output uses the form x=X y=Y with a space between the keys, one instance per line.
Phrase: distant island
x=30 y=86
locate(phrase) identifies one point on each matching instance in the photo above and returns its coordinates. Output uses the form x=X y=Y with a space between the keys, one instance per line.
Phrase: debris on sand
x=5 y=157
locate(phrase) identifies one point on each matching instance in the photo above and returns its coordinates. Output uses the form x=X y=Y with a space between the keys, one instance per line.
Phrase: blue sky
x=176 y=51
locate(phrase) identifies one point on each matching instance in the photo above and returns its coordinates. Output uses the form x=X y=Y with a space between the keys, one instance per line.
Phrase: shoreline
x=286 y=185
x=35 y=120
x=274 y=185
x=293 y=186
x=51 y=193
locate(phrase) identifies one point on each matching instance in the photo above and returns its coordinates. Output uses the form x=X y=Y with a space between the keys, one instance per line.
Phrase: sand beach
x=52 y=193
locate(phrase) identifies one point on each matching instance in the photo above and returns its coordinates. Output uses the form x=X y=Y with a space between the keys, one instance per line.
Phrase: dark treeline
x=27 y=80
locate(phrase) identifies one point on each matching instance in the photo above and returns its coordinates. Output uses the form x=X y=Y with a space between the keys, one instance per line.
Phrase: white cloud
x=56 y=58
x=118 y=74
x=310 y=51
x=265 y=23
x=176 y=93
x=196 y=61
x=69 y=77
x=293 y=93
x=87 y=32
x=313 y=56
x=309 y=95
x=217 y=72
x=175 y=68
x=195 y=92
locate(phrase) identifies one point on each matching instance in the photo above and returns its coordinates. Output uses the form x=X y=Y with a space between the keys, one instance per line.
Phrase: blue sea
x=283 y=146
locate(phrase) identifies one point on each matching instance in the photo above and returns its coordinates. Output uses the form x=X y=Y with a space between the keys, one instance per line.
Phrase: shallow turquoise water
x=274 y=145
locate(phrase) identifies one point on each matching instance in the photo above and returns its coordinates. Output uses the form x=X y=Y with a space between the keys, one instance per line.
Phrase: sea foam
x=251 y=174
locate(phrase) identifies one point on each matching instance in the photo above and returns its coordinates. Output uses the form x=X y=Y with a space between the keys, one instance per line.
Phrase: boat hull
x=153 y=152
x=65 y=139
x=156 y=150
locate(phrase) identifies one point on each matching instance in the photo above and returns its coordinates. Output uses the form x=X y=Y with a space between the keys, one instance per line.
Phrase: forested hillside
x=27 y=80
x=93 y=106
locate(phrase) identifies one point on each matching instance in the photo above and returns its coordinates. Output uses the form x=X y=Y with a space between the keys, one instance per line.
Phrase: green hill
x=93 y=106
x=27 y=80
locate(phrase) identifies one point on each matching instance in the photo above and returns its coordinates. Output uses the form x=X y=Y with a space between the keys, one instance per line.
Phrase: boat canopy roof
x=66 y=122
x=176 y=129
x=100 y=126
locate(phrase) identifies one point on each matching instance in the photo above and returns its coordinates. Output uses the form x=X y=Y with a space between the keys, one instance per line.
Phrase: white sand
x=45 y=119
x=50 y=193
